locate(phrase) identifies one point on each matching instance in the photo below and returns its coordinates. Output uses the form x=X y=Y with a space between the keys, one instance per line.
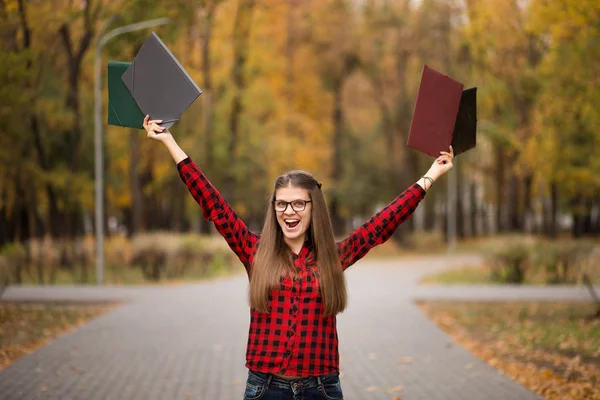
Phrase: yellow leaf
x=398 y=388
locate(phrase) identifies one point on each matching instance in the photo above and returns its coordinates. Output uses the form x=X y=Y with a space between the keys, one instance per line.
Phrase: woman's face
x=293 y=209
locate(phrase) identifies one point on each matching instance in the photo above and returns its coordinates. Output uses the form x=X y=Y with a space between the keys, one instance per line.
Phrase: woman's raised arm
x=214 y=207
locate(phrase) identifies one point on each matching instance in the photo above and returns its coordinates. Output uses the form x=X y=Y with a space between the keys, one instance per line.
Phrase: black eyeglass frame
x=289 y=204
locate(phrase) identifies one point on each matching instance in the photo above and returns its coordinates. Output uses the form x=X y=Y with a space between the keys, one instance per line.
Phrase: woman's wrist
x=168 y=140
x=425 y=182
x=176 y=152
x=427 y=179
x=432 y=177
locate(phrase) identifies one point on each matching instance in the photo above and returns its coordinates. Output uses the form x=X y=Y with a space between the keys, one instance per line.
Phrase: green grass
x=425 y=244
x=199 y=256
x=480 y=274
x=556 y=327
x=552 y=348
x=125 y=275
x=464 y=275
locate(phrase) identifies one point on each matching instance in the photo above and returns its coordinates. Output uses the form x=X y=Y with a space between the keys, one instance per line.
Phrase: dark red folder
x=435 y=114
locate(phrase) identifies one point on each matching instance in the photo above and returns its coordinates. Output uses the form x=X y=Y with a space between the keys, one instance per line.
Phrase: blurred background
x=327 y=86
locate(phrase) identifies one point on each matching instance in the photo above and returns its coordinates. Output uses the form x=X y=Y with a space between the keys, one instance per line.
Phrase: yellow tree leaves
x=567 y=124
x=537 y=66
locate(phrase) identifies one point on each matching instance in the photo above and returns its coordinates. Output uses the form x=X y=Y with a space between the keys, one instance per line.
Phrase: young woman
x=295 y=269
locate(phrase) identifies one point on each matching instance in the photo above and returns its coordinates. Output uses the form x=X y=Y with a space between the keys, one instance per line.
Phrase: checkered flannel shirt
x=295 y=338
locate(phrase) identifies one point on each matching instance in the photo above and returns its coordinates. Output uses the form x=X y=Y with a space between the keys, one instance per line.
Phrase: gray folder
x=161 y=87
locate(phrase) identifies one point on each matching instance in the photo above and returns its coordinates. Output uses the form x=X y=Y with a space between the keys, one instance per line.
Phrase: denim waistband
x=302 y=383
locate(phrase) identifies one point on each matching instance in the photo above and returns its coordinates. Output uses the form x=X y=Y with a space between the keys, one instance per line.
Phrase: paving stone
x=188 y=342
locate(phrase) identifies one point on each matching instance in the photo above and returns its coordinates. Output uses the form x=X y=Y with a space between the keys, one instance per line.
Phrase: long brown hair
x=272 y=259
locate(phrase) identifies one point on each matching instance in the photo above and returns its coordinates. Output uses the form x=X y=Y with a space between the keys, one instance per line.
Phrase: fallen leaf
x=27 y=327
x=396 y=389
x=550 y=348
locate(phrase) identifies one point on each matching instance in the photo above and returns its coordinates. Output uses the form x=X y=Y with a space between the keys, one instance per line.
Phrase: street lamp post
x=99 y=168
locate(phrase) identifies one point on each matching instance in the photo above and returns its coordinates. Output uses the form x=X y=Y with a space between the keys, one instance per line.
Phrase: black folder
x=160 y=85
x=465 y=129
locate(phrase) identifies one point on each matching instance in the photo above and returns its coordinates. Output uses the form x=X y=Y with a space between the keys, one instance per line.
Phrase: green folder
x=122 y=108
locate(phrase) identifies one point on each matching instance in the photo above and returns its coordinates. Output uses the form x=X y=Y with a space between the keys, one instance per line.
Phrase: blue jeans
x=268 y=387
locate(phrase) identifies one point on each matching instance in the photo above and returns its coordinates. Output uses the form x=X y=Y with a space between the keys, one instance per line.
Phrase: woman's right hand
x=155 y=131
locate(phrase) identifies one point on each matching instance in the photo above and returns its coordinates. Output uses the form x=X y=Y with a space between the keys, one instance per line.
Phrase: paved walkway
x=188 y=342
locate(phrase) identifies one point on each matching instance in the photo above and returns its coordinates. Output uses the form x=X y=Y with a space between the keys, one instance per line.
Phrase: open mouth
x=291 y=223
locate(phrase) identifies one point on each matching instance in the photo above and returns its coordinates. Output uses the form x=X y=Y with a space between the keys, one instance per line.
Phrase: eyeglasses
x=297 y=205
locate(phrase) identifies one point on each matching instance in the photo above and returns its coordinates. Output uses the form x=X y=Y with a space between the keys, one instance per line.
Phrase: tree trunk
x=290 y=46
x=468 y=205
x=528 y=216
x=137 y=200
x=176 y=219
x=582 y=217
x=596 y=220
x=477 y=212
x=513 y=201
x=53 y=214
x=553 y=228
x=241 y=36
x=499 y=188
x=74 y=61
x=208 y=87
x=587 y=220
x=149 y=216
x=460 y=202
x=404 y=118
x=336 y=173
x=430 y=213
x=204 y=225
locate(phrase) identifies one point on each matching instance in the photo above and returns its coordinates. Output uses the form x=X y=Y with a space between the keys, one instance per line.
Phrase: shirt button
x=287 y=353
x=290 y=333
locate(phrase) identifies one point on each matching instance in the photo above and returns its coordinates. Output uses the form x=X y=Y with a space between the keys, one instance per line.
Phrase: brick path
x=188 y=342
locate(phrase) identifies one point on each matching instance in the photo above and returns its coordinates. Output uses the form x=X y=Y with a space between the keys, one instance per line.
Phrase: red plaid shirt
x=295 y=338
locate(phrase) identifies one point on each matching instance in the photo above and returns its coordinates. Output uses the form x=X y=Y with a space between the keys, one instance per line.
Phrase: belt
x=294 y=384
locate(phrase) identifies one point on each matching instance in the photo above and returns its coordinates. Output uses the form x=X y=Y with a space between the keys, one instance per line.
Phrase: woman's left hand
x=442 y=164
